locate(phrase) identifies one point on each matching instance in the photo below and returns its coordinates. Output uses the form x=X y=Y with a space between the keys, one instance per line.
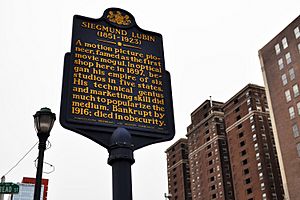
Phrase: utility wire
x=49 y=145
x=21 y=159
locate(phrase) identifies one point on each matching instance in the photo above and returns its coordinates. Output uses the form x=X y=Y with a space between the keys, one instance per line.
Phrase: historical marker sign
x=9 y=188
x=115 y=76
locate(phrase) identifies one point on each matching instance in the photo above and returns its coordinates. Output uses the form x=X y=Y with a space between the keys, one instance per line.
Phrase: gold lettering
x=100 y=27
x=143 y=36
x=117 y=82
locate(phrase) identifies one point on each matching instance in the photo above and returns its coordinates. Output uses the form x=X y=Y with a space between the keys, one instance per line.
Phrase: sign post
x=2 y=181
x=116 y=90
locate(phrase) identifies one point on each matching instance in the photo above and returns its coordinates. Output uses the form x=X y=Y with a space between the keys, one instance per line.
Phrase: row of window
x=284 y=41
x=296 y=92
x=292 y=111
x=288 y=60
x=292 y=76
x=284 y=78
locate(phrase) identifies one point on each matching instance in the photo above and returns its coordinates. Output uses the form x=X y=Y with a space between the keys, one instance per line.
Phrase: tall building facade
x=178 y=171
x=280 y=64
x=231 y=152
x=252 y=150
x=210 y=172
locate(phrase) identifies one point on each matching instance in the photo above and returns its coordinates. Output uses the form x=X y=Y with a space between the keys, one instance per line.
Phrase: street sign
x=114 y=77
x=9 y=188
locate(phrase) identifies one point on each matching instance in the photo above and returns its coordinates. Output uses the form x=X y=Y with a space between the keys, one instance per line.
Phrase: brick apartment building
x=252 y=151
x=178 y=171
x=231 y=151
x=280 y=64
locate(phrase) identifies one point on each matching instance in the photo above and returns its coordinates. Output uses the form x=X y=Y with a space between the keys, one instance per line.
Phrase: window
x=257 y=156
x=259 y=166
x=280 y=63
x=258 y=108
x=264 y=196
x=299 y=47
x=298 y=107
x=292 y=73
x=251 y=119
x=240 y=126
x=261 y=176
x=213 y=187
x=243 y=153
x=247 y=181
x=296 y=90
x=244 y=162
x=292 y=112
x=297 y=32
x=288 y=58
x=207 y=131
x=254 y=137
x=209 y=154
x=256 y=147
x=284 y=43
x=212 y=178
x=225 y=158
x=295 y=130
x=284 y=79
x=249 y=190
x=207 y=139
x=248 y=101
x=287 y=95
x=277 y=49
x=252 y=127
x=241 y=134
x=262 y=186
x=246 y=171
x=298 y=149
x=242 y=143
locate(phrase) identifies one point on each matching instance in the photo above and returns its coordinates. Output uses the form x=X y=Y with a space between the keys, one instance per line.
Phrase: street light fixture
x=43 y=123
x=168 y=196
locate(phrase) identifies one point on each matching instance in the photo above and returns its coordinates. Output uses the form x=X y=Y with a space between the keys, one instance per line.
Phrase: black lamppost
x=43 y=123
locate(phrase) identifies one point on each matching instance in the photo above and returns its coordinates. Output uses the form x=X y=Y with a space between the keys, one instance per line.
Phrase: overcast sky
x=211 y=49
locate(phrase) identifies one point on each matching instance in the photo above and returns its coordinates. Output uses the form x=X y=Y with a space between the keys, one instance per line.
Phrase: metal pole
x=2 y=181
x=38 y=180
x=121 y=159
